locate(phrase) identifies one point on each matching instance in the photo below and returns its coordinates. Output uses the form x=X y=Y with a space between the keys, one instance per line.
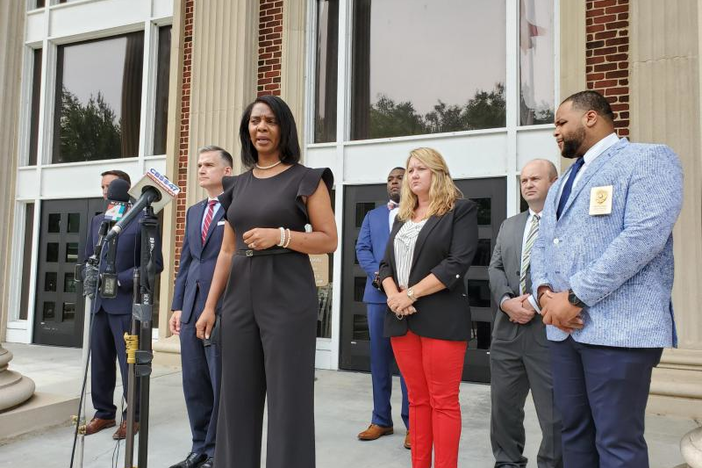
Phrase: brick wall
x=184 y=130
x=607 y=62
x=270 y=46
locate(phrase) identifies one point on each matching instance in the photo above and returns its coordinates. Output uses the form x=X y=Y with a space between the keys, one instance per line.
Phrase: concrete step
x=41 y=411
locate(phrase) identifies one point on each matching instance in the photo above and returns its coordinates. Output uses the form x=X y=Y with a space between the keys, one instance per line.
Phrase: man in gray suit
x=519 y=355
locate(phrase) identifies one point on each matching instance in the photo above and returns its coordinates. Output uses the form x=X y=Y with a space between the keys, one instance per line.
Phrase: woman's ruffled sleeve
x=229 y=182
x=310 y=182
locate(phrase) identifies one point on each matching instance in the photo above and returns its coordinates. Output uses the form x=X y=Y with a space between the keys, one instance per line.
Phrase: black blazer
x=445 y=247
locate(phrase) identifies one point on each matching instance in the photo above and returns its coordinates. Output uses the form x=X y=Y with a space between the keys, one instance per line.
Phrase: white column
x=14 y=388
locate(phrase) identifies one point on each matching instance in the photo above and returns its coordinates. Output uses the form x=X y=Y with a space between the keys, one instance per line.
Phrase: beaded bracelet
x=282 y=236
x=287 y=242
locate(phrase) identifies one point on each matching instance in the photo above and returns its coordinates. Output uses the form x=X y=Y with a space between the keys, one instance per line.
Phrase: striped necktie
x=208 y=219
x=526 y=255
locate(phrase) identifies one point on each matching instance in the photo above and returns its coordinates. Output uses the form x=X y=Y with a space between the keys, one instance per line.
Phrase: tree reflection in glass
x=98 y=99
x=423 y=66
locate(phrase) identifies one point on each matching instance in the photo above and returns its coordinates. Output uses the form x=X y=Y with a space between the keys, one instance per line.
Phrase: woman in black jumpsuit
x=269 y=311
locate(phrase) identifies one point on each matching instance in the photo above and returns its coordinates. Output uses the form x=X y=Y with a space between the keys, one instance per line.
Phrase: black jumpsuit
x=268 y=330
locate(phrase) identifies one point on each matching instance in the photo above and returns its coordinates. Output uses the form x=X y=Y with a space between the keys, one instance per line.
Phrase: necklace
x=263 y=168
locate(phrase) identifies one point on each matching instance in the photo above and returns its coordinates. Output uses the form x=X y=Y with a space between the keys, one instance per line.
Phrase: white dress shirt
x=405 y=241
x=392 y=215
x=214 y=211
x=532 y=301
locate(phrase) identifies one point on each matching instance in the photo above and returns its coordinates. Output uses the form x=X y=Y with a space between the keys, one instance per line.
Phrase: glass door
x=59 y=308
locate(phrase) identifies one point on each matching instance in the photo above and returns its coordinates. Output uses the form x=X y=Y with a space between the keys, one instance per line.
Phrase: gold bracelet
x=287 y=242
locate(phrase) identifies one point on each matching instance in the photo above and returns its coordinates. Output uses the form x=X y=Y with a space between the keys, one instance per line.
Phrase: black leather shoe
x=209 y=463
x=193 y=460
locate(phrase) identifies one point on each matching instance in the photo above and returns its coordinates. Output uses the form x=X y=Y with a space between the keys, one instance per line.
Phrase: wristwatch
x=575 y=300
x=410 y=294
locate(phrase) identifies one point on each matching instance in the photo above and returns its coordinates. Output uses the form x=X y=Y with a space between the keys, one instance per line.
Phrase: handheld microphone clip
x=155 y=190
x=117 y=207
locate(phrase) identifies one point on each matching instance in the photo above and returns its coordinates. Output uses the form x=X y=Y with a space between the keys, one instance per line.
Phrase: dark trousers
x=602 y=392
x=268 y=354
x=517 y=366
x=106 y=346
x=381 y=360
x=202 y=368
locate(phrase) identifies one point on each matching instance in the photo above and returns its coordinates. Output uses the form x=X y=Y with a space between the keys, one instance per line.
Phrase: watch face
x=573 y=299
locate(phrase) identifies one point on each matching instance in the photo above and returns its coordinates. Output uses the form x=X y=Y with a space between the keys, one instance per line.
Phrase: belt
x=256 y=253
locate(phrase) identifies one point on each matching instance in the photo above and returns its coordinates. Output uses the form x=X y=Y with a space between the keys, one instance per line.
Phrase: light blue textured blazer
x=620 y=264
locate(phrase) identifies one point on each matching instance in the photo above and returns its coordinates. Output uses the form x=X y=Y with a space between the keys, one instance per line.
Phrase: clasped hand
x=556 y=310
x=261 y=238
x=401 y=304
x=519 y=309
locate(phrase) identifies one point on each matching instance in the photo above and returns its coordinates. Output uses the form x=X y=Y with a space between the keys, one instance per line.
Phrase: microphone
x=155 y=190
x=117 y=206
x=117 y=200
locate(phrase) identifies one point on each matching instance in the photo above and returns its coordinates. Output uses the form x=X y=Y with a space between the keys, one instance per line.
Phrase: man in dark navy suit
x=370 y=249
x=201 y=361
x=112 y=317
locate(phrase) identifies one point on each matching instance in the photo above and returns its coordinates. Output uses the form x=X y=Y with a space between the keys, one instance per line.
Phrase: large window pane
x=161 y=100
x=98 y=99
x=326 y=71
x=34 y=123
x=536 y=61
x=446 y=75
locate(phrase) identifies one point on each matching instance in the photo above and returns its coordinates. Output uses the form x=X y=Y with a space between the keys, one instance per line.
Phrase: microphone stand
x=139 y=349
x=81 y=420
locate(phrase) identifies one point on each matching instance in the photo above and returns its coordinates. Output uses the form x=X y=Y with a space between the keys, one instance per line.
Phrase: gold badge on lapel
x=601 y=200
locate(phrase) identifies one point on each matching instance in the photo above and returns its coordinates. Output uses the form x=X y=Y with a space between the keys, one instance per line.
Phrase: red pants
x=432 y=370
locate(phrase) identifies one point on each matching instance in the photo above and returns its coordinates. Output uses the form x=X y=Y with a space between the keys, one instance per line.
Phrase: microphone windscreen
x=118 y=190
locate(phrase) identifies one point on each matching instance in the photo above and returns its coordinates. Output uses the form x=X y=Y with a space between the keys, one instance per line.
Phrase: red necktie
x=208 y=219
x=392 y=205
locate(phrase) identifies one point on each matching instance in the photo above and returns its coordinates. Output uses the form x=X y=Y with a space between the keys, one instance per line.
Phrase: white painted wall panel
x=323 y=157
x=77 y=19
x=162 y=8
x=27 y=184
x=536 y=143
x=82 y=180
x=34 y=27
x=468 y=156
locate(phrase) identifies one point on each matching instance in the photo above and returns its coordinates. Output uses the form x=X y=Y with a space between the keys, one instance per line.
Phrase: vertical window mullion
x=148 y=86
x=512 y=103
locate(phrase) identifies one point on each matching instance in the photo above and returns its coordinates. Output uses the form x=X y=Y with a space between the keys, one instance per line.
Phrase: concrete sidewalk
x=343 y=407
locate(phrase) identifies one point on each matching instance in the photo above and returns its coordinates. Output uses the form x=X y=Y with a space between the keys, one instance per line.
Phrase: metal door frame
x=60 y=332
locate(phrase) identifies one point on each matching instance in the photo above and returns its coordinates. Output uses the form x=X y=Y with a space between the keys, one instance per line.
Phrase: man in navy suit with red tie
x=201 y=361
x=370 y=249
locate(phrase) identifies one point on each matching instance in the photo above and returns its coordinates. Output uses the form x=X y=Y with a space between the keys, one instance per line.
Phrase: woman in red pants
x=431 y=247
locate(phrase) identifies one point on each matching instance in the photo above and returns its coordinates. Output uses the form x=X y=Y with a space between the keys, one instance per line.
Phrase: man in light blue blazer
x=201 y=362
x=370 y=249
x=602 y=269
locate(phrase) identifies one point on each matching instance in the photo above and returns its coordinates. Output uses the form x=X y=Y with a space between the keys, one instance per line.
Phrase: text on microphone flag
x=172 y=189
x=116 y=211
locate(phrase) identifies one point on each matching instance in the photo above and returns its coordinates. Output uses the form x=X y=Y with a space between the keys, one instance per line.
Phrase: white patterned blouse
x=405 y=241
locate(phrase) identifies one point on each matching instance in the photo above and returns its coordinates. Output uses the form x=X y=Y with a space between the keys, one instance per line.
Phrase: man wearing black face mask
x=370 y=249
